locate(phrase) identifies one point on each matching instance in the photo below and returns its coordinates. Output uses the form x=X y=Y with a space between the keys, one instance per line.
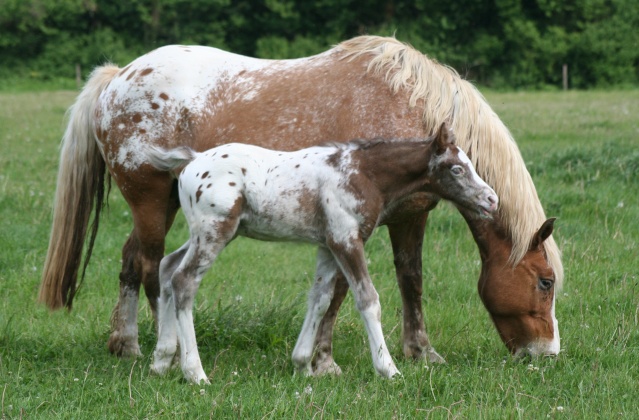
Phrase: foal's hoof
x=304 y=370
x=392 y=374
x=389 y=371
x=433 y=357
x=397 y=375
x=328 y=368
x=197 y=378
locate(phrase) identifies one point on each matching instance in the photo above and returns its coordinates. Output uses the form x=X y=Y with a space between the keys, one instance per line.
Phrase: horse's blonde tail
x=80 y=188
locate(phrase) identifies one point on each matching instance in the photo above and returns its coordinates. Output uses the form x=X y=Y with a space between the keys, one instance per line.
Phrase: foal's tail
x=80 y=188
x=169 y=160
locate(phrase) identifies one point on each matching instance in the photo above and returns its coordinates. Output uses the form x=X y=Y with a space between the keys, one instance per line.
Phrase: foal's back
x=277 y=195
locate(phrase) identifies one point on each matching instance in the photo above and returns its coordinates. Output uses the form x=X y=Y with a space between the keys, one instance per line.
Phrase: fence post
x=564 y=76
x=78 y=76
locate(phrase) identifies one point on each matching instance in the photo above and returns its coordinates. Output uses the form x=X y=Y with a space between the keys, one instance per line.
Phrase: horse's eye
x=546 y=284
x=457 y=170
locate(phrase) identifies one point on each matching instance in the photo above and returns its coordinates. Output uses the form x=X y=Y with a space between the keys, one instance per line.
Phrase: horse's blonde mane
x=479 y=131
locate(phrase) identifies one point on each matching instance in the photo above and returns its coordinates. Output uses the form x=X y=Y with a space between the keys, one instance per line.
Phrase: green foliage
x=499 y=43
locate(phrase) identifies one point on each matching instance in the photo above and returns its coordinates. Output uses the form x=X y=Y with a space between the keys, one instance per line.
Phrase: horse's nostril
x=492 y=199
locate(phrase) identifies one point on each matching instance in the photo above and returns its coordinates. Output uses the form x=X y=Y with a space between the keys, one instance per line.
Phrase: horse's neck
x=396 y=168
x=490 y=236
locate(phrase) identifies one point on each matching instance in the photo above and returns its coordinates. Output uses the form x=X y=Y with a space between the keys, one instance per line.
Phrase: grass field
x=582 y=149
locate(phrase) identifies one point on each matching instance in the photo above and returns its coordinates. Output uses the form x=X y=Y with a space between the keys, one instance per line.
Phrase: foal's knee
x=366 y=299
x=183 y=289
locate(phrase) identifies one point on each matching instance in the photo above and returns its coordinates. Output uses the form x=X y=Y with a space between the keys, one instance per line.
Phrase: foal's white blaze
x=465 y=159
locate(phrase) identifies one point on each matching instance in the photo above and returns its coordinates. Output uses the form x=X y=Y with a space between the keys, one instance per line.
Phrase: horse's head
x=453 y=177
x=520 y=299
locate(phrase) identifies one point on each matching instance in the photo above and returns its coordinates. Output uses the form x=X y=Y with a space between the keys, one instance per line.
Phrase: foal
x=332 y=195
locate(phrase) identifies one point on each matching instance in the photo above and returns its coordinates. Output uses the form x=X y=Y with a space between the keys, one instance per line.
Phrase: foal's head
x=453 y=177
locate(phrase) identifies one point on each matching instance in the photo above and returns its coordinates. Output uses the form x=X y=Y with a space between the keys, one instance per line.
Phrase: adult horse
x=365 y=87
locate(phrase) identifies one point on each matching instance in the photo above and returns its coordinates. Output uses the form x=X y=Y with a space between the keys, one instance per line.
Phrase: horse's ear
x=444 y=137
x=543 y=233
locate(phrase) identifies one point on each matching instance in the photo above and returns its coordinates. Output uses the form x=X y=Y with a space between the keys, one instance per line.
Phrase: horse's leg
x=167 y=329
x=352 y=262
x=319 y=299
x=123 y=341
x=323 y=362
x=407 y=239
x=141 y=257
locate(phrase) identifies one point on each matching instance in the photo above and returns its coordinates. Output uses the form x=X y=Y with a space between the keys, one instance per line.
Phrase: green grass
x=582 y=150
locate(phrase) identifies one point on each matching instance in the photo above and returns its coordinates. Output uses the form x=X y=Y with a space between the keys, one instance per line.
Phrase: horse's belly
x=280 y=226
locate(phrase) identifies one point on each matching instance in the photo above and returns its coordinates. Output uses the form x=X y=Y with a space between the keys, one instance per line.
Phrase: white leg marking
x=319 y=299
x=189 y=356
x=126 y=328
x=167 y=323
x=382 y=359
x=354 y=268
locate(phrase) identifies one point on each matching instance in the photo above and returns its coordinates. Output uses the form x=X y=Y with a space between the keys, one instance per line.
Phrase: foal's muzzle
x=489 y=204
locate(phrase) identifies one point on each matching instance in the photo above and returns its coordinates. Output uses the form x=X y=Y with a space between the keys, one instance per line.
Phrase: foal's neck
x=397 y=168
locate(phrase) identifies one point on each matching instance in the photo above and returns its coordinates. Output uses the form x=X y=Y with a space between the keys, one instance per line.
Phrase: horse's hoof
x=121 y=347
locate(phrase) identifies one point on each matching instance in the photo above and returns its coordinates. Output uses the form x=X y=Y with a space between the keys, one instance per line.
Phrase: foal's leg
x=323 y=362
x=407 y=239
x=204 y=247
x=319 y=299
x=352 y=262
x=185 y=282
x=167 y=321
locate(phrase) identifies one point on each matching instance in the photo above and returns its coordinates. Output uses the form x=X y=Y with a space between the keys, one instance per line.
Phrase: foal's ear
x=444 y=137
x=543 y=233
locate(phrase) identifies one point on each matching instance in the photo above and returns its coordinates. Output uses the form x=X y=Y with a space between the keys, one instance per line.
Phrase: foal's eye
x=457 y=170
x=546 y=284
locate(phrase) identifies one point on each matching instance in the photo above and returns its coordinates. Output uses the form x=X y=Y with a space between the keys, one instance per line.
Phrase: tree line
x=497 y=43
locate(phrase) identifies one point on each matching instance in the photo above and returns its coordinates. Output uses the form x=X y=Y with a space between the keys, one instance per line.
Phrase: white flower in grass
x=308 y=390
x=238 y=298
x=202 y=391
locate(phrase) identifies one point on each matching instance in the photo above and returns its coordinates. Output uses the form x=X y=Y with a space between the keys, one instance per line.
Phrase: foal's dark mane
x=366 y=144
